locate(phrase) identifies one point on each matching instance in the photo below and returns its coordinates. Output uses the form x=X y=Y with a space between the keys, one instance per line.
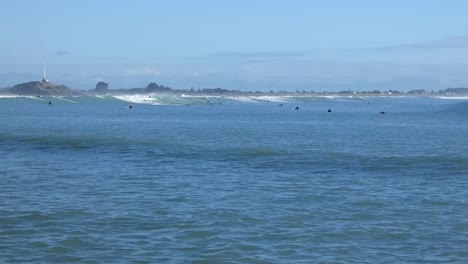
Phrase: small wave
x=453 y=97
x=8 y=96
x=74 y=142
x=258 y=152
x=64 y=99
x=458 y=107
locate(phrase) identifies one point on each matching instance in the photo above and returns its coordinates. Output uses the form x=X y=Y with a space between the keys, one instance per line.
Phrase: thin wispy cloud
x=143 y=71
x=261 y=55
x=62 y=53
x=455 y=42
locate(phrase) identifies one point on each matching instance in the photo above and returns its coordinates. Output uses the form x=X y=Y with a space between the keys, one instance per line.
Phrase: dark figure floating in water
x=329 y=110
x=130 y=106
x=382 y=113
x=50 y=102
x=296 y=108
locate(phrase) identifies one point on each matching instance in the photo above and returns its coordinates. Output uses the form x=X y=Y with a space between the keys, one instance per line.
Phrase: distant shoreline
x=46 y=88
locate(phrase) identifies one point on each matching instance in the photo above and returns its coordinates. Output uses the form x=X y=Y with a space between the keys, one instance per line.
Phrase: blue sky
x=246 y=45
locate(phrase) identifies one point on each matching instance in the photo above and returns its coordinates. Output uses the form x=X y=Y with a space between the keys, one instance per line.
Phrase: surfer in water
x=50 y=102
x=130 y=106
x=329 y=110
x=296 y=108
x=382 y=113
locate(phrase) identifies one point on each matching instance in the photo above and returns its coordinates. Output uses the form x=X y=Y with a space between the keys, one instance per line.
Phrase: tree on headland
x=154 y=87
x=102 y=87
x=417 y=91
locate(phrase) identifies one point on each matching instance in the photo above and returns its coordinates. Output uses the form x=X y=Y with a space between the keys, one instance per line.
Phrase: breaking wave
x=206 y=99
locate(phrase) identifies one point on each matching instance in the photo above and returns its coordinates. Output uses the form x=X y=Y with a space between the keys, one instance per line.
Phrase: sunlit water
x=235 y=180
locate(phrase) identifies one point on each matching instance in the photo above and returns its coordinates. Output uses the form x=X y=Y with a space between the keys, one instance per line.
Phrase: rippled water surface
x=89 y=180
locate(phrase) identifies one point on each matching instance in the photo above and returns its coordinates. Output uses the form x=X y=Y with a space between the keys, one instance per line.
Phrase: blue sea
x=186 y=179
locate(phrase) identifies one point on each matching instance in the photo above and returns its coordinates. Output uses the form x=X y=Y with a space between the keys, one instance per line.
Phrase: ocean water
x=183 y=179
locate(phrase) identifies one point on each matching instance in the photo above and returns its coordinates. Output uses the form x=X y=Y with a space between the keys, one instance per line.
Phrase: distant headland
x=40 y=88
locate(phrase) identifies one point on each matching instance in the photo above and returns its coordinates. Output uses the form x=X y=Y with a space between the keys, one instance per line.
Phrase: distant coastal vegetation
x=45 y=87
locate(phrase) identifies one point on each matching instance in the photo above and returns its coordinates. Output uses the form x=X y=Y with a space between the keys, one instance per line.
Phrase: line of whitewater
x=63 y=99
x=207 y=99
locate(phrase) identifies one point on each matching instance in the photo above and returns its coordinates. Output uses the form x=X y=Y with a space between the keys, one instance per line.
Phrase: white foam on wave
x=160 y=99
x=188 y=99
x=30 y=97
x=138 y=99
x=275 y=99
x=453 y=97
x=102 y=96
x=7 y=96
x=242 y=99
x=12 y=96
x=326 y=96
x=200 y=96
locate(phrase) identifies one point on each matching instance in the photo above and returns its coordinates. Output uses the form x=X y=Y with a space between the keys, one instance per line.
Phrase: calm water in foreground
x=238 y=181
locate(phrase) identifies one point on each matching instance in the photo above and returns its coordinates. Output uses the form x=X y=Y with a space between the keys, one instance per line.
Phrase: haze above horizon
x=247 y=45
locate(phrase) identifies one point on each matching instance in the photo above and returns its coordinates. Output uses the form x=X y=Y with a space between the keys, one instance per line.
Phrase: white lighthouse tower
x=44 y=79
